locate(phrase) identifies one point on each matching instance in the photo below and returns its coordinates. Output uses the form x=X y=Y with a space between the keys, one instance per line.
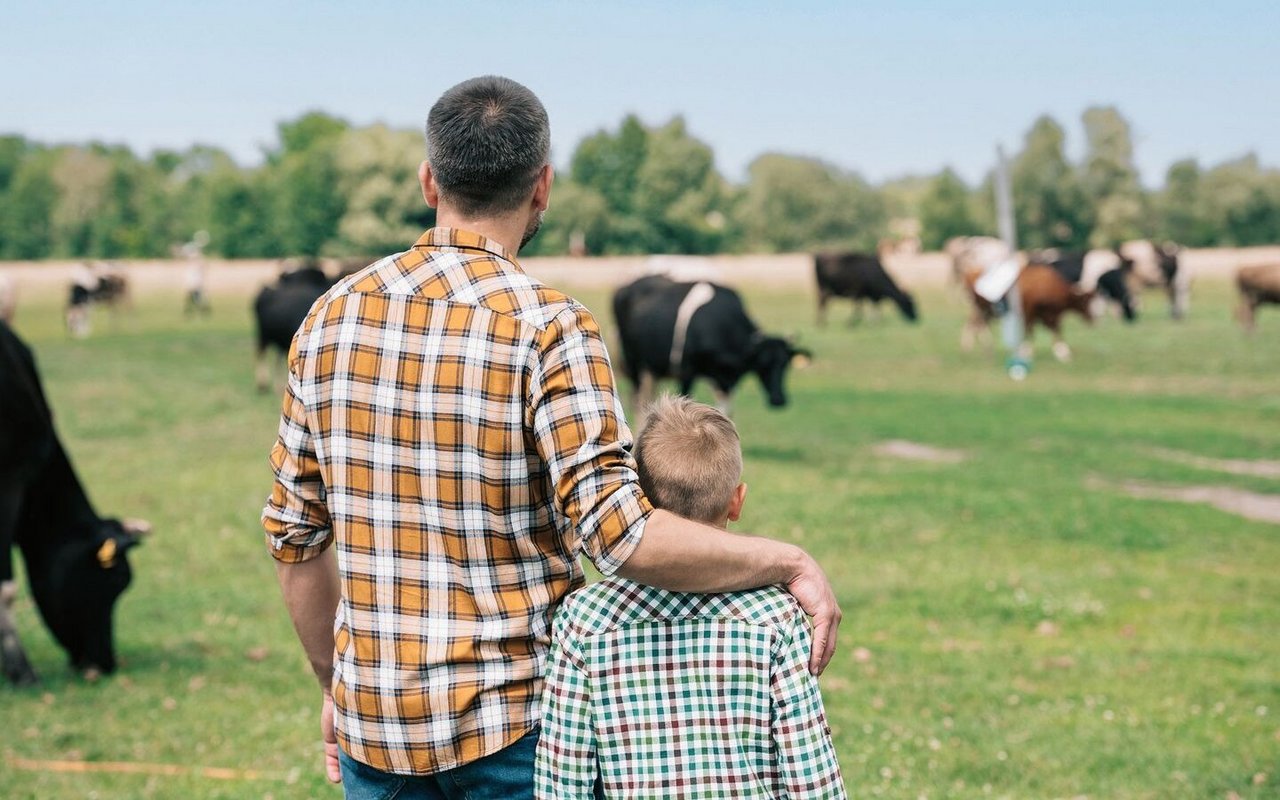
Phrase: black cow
x=688 y=331
x=1103 y=271
x=280 y=309
x=76 y=561
x=859 y=277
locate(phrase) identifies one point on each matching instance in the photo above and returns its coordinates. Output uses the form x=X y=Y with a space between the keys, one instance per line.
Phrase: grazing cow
x=1100 y=271
x=280 y=309
x=858 y=277
x=1045 y=296
x=94 y=284
x=76 y=561
x=697 y=330
x=1158 y=267
x=1258 y=284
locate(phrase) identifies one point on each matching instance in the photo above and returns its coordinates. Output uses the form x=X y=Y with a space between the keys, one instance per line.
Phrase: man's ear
x=542 y=189
x=735 y=505
x=428 y=181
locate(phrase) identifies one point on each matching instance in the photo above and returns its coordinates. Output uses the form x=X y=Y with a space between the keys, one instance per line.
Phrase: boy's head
x=690 y=461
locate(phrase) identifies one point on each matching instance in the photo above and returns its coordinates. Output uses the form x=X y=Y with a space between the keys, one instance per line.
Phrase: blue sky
x=881 y=88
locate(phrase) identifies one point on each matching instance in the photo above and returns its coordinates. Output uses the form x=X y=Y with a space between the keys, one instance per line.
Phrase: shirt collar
x=459 y=239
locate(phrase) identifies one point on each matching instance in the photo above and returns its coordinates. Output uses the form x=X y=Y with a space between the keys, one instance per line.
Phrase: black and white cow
x=280 y=309
x=1101 y=271
x=76 y=561
x=1158 y=266
x=859 y=277
x=687 y=331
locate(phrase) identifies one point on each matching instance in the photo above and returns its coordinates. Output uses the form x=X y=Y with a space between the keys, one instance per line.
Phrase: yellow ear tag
x=802 y=362
x=107 y=554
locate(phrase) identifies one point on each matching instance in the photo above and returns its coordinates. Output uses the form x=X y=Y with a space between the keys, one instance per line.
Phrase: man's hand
x=812 y=590
x=331 y=769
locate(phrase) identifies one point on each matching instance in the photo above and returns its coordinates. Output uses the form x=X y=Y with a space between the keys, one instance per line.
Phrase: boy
x=657 y=694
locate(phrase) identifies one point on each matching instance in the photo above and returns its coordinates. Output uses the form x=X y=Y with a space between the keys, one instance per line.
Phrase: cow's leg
x=1245 y=312
x=1061 y=350
x=724 y=401
x=13 y=659
x=644 y=397
x=824 y=297
x=856 y=317
x=261 y=370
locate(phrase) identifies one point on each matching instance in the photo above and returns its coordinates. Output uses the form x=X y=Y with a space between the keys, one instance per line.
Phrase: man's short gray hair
x=488 y=139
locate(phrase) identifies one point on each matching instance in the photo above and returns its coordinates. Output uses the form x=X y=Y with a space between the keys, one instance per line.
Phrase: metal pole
x=1011 y=324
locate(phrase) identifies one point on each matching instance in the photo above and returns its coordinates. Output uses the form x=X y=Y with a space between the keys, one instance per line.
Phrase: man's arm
x=683 y=556
x=582 y=437
x=297 y=524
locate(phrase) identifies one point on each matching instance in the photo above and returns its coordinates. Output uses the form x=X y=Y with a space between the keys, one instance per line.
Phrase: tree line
x=327 y=188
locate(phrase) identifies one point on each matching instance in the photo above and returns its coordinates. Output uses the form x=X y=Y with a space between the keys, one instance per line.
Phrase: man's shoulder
x=616 y=603
x=481 y=279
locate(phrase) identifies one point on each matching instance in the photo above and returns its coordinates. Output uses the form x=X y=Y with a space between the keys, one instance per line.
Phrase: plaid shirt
x=672 y=695
x=452 y=424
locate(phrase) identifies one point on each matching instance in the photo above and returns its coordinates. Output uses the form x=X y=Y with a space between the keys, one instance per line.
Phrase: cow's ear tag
x=107 y=554
x=802 y=362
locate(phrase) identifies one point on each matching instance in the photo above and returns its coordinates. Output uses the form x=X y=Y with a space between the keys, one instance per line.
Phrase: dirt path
x=1258 y=468
x=914 y=451
x=1250 y=505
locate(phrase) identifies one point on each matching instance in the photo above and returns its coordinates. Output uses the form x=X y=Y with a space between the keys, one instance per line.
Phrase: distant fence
x=788 y=270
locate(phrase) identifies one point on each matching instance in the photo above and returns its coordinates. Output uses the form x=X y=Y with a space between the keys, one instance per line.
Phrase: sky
x=883 y=89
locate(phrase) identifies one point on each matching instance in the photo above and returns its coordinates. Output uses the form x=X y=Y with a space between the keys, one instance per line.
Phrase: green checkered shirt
x=672 y=695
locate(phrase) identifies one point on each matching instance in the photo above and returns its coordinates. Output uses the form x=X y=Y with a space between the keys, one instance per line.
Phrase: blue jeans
x=504 y=775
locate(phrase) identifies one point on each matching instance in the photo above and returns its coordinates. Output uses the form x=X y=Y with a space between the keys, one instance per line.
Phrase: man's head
x=690 y=461
x=488 y=145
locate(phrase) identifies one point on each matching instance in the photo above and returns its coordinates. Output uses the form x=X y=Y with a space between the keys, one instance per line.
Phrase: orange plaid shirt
x=453 y=426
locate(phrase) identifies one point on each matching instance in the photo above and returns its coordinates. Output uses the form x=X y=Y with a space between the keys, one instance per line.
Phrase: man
x=452 y=425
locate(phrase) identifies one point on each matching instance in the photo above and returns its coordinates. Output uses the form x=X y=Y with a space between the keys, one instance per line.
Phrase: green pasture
x=1015 y=624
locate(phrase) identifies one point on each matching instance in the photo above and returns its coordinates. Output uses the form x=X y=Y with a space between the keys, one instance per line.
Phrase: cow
x=1045 y=297
x=96 y=283
x=859 y=277
x=76 y=562
x=686 y=331
x=1158 y=266
x=974 y=252
x=1101 y=271
x=1258 y=284
x=278 y=311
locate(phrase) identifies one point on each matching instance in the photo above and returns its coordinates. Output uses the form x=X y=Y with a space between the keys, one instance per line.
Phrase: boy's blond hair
x=689 y=459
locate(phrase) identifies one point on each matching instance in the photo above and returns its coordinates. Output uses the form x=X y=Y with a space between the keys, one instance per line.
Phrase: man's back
x=671 y=694
x=429 y=421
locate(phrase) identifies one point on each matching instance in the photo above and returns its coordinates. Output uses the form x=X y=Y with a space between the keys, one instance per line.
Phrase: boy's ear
x=735 y=505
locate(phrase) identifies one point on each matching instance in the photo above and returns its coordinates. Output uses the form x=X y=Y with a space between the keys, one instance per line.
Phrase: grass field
x=1016 y=625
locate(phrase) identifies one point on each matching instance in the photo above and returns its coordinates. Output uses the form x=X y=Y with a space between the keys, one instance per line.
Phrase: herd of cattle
x=77 y=561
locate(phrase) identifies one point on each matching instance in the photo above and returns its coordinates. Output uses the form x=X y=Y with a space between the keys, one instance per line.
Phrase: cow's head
x=89 y=575
x=770 y=357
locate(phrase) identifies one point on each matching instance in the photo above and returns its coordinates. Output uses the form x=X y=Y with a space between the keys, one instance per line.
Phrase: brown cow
x=1258 y=284
x=1045 y=297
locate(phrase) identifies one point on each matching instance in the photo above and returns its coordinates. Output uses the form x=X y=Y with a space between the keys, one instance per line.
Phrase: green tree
x=575 y=210
x=378 y=177
x=1049 y=205
x=946 y=211
x=26 y=227
x=678 y=193
x=1110 y=179
x=793 y=204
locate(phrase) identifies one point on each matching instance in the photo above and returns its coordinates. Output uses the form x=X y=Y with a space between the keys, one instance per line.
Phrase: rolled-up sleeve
x=296 y=518
x=582 y=437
